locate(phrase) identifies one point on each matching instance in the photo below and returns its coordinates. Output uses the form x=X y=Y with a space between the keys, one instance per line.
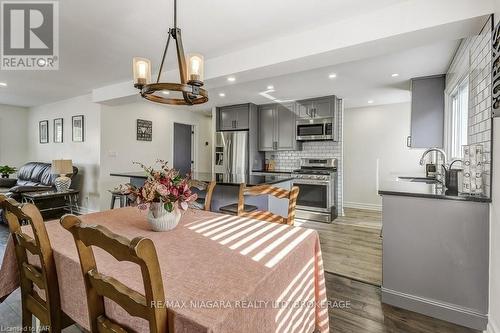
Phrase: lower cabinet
x=277 y=127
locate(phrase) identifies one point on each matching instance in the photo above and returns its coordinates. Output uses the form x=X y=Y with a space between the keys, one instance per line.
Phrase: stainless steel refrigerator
x=232 y=153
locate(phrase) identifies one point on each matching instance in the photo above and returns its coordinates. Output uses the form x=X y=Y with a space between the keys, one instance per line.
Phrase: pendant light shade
x=142 y=71
x=195 y=69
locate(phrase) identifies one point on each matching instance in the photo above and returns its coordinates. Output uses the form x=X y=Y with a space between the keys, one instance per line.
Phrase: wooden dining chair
x=277 y=192
x=42 y=275
x=141 y=251
x=208 y=188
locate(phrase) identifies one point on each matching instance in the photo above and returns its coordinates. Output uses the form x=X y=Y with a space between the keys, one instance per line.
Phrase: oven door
x=314 y=195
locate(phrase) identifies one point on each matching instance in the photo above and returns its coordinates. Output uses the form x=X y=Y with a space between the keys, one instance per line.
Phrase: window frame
x=451 y=125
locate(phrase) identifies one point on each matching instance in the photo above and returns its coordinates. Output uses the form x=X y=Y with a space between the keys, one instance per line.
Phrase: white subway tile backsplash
x=290 y=160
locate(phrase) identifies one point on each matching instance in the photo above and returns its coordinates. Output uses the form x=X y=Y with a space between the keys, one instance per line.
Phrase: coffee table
x=70 y=199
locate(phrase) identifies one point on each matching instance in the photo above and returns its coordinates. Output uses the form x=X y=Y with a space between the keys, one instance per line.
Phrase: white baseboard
x=445 y=311
x=492 y=326
x=359 y=205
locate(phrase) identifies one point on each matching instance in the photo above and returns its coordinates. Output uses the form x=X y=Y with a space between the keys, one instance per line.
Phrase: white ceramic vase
x=160 y=219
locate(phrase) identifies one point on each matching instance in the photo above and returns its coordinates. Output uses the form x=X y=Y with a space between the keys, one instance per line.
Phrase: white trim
x=359 y=205
x=492 y=326
x=437 y=309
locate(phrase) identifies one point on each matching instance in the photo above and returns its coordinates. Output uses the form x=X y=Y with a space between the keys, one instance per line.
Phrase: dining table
x=221 y=273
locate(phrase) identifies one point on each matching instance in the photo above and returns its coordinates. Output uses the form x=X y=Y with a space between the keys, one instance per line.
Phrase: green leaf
x=169 y=207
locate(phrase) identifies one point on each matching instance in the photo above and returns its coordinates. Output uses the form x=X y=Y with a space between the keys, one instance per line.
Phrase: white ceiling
x=99 y=38
x=357 y=82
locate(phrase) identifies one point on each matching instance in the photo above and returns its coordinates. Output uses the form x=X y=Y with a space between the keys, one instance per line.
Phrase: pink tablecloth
x=221 y=273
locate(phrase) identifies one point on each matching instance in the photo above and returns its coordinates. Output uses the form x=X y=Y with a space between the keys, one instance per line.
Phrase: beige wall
x=13 y=137
x=85 y=155
x=119 y=147
x=375 y=149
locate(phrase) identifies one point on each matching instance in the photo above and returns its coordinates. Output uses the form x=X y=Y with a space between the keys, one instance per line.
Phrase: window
x=458 y=119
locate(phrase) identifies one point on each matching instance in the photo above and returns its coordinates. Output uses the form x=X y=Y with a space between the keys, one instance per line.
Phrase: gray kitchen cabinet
x=277 y=127
x=435 y=259
x=316 y=108
x=285 y=126
x=234 y=117
x=266 y=127
x=304 y=108
x=323 y=108
x=427 y=112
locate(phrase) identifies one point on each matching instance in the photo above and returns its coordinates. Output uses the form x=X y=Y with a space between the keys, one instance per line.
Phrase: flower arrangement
x=164 y=185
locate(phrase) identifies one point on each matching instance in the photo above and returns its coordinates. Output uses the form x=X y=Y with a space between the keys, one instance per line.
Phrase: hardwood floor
x=367 y=314
x=351 y=246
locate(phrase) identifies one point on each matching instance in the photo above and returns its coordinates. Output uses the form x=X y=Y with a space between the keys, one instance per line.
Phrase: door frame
x=194 y=143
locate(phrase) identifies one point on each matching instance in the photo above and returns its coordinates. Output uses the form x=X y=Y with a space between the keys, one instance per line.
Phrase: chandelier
x=190 y=72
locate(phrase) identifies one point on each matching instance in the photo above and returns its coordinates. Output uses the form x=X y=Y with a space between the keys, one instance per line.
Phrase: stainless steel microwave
x=315 y=129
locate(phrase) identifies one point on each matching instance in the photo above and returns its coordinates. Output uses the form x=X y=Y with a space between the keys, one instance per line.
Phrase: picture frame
x=58 y=130
x=78 y=128
x=43 y=131
x=144 y=130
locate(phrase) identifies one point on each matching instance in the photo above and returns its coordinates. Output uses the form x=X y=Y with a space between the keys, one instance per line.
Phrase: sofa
x=33 y=176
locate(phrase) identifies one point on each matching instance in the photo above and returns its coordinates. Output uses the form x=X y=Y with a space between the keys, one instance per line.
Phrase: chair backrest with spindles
x=277 y=192
x=141 y=251
x=208 y=187
x=41 y=272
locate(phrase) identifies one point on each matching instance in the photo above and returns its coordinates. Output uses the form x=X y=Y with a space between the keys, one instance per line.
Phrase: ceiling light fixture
x=191 y=74
x=3 y=84
x=370 y=101
x=231 y=79
x=332 y=76
x=270 y=87
x=395 y=75
x=222 y=95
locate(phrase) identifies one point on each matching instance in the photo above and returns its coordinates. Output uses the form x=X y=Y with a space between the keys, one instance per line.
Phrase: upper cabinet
x=234 y=117
x=317 y=107
x=277 y=127
x=427 y=112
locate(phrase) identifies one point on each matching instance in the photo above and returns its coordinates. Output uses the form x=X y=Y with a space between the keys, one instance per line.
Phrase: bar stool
x=120 y=196
x=232 y=209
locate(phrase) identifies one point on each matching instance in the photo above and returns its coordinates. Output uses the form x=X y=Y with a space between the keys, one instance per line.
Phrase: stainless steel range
x=317 y=180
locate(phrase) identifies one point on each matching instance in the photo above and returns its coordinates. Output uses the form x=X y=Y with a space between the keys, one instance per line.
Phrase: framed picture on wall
x=77 y=125
x=144 y=130
x=43 y=131
x=58 y=130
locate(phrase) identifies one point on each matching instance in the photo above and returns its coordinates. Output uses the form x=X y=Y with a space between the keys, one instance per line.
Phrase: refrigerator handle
x=230 y=156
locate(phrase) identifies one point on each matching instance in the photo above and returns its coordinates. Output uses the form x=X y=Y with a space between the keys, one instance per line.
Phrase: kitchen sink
x=419 y=180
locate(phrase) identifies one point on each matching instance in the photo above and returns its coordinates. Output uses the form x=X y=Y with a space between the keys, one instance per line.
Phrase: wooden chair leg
x=27 y=320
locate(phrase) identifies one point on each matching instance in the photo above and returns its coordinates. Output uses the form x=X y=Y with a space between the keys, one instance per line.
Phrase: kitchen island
x=227 y=188
x=435 y=251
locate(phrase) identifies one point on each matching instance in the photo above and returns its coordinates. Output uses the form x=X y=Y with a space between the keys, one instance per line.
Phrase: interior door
x=183 y=143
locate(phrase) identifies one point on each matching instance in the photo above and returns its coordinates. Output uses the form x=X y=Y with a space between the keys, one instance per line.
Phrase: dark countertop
x=423 y=190
x=274 y=171
x=225 y=179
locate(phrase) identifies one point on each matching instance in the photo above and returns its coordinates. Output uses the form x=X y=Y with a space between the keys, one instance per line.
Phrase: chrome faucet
x=422 y=160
